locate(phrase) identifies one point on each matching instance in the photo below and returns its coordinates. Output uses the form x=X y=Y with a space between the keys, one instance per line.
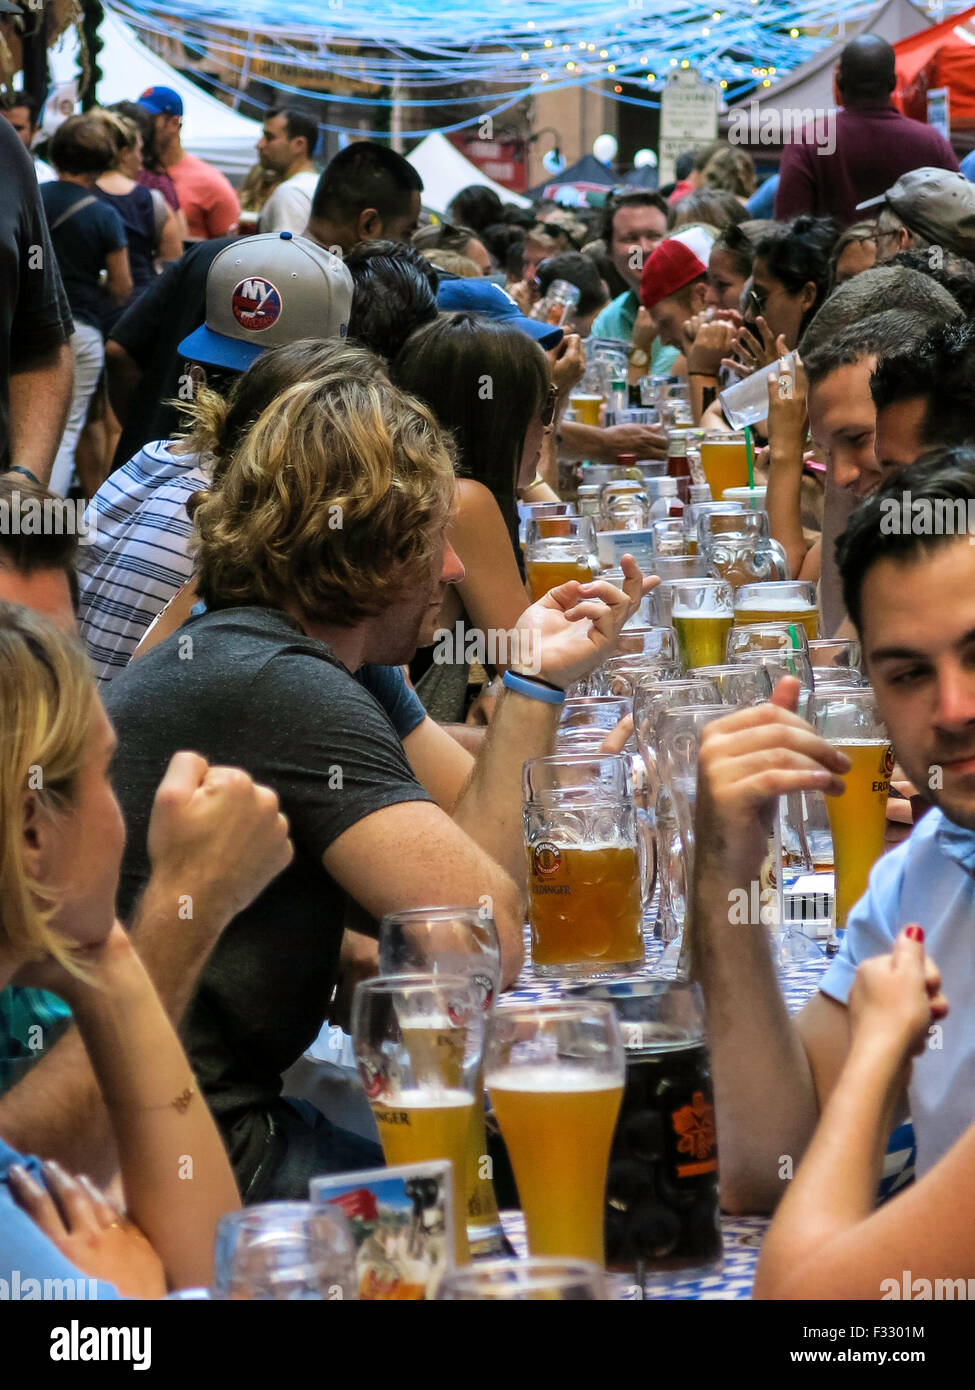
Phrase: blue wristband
x=535 y=690
x=17 y=468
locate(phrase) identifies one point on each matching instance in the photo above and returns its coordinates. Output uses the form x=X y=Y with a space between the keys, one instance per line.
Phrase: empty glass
x=841 y=652
x=765 y=637
x=674 y=567
x=670 y=537
x=620 y=675
x=743 y=559
x=656 y=642
x=739 y=684
x=285 y=1250
x=724 y=518
x=537 y=1277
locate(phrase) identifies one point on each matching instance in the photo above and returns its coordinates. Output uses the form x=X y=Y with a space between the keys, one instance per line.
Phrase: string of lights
x=625 y=49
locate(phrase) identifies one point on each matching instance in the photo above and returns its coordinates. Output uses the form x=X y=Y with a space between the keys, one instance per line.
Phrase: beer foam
x=552 y=1078
x=773 y=604
x=425 y=1100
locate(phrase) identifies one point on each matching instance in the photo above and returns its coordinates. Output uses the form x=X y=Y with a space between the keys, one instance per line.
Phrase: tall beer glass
x=724 y=458
x=419 y=1044
x=786 y=601
x=702 y=616
x=662 y=1190
x=587 y=869
x=455 y=941
x=558 y=549
x=555 y=1076
x=850 y=720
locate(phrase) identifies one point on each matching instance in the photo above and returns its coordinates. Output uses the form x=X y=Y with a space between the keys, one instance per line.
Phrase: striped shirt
x=139 y=557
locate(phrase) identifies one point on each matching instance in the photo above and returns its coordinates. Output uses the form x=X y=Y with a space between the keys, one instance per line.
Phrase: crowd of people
x=298 y=453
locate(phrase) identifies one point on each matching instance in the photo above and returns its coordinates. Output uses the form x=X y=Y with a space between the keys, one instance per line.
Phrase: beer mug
x=285 y=1250
x=838 y=678
x=724 y=458
x=850 y=720
x=678 y=733
x=620 y=675
x=547 y=1278
x=419 y=1043
x=587 y=865
x=532 y=511
x=558 y=549
x=670 y=537
x=695 y=510
x=652 y=697
x=676 y=567
x=656 y=642
x=702 y=615
x=789 y=601
x=743 y=559
x=739 y=684
x=599 y=712
x=662 y=1212
x=624 y=506
x=748 y=638
x=724 y=518
x=555 y=1076
x=454 y=941
x=844 y=653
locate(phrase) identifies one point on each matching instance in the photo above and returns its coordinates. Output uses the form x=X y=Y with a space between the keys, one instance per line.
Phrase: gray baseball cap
x=266 y=291
x=938 y=204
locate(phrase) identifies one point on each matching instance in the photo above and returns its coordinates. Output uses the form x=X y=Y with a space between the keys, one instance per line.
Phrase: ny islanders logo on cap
x=256 y=304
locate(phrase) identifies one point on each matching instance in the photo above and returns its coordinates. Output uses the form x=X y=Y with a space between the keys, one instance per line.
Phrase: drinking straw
x=751 y=464
x=794 y=639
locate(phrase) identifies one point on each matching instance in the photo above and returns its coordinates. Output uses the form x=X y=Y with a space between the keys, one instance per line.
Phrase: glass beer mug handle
x=777 y=562
x=646 y=842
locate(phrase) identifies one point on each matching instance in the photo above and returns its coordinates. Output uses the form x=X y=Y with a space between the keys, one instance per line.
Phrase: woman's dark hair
x=799 y=252
x=476 y=206
x=485 y=381
x=83 y=145
x=499 y=239
x=395 y=291
x=736 y=242
x=580 y=271
x=714 y=206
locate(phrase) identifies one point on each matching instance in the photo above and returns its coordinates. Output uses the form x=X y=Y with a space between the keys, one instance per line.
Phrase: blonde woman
x=61 y=841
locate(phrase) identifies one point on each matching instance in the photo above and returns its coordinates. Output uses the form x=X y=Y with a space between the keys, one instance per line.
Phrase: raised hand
x=896 y=997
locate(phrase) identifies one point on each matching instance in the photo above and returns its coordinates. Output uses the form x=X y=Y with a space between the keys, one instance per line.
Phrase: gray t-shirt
x=253 y=691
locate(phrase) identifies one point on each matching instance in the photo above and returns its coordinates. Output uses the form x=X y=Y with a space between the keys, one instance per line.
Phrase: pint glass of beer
x=558 y=549
x=419 y=1045
x=587 y=869
x=702 y=615
x=783 y=601
x=849 y=719
x=455 y=941
x=662 y=1188
x=724 y=458
x=555 y=1076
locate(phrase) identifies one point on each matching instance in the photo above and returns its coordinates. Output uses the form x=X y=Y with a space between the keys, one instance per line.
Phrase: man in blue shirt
x=908 y=573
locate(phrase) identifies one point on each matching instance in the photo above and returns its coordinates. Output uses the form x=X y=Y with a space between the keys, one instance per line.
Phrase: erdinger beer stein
x=587 y=868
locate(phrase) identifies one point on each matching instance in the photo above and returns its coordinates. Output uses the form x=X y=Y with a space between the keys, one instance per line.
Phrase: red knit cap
x=677 y=261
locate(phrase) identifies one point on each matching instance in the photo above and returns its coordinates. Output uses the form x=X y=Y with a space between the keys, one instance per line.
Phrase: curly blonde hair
x=47 y=695
x=334 y=500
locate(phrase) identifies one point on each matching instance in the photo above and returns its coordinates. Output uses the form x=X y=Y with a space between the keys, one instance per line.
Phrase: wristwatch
x=638 y=357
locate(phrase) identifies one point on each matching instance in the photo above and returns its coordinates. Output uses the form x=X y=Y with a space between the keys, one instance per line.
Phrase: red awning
x=942 y=56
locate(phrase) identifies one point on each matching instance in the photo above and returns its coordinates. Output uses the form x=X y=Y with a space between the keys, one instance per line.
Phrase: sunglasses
x=548 y=409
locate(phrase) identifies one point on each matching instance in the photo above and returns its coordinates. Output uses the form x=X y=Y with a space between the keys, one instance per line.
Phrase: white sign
x=688 y=118
x=938 y=111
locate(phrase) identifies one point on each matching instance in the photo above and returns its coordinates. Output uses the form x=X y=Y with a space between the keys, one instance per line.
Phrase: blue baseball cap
x=481 y=297
x=162 y=101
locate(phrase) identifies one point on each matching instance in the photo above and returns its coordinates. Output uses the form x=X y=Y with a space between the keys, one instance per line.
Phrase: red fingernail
x=915 y=933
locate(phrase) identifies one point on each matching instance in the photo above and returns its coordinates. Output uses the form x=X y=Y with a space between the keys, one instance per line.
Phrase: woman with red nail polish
x=827 y=1239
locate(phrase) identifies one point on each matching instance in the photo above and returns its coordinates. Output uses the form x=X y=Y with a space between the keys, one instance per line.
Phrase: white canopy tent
x=445 y=171
x=211 y=130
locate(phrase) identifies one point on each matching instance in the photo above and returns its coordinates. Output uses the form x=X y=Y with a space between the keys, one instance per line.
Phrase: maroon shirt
x=874 y=146
x=149 y=178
